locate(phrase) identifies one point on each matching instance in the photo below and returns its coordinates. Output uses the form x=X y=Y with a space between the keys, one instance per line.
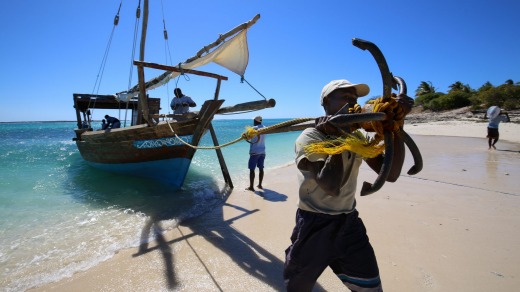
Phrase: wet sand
x=452 y=227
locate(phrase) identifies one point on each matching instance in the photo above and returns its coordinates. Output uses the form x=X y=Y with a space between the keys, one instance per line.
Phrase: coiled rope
x=356 y=142
x=394 y=115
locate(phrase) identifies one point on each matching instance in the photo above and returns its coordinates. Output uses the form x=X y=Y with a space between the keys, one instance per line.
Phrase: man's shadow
x=250 y=256
x=271 y=195
x=255 y=260
x=153 y=225
x=507 y=150
x=158 y=202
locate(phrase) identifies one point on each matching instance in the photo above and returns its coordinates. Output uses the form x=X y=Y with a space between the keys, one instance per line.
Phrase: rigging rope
x=242 y=79
x=167 y=53
x=134 y=42
x=105 y=56
x=99 y=77
x=132 y=57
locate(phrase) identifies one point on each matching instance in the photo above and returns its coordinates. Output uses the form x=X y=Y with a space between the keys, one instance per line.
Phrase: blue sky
x=51 y=49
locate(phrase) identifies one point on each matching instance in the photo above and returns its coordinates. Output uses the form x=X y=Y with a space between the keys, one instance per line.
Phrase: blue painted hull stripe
x=170 y=171
x=162 y=142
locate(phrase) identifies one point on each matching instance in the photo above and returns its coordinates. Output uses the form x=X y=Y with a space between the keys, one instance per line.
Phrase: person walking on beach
x=256 y=156
x=495 y=115
x=328 y=231
x=112 y=122
x=181 y=103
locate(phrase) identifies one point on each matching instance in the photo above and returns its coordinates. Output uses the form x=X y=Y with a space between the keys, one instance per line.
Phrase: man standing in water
x=256 y=156
x=328 y=231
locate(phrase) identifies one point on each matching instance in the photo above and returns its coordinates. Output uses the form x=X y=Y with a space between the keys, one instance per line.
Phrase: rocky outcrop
x=418 y=115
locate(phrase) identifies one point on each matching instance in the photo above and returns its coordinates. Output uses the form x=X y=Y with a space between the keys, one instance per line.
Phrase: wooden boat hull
x=135 y=151
x=155 y=152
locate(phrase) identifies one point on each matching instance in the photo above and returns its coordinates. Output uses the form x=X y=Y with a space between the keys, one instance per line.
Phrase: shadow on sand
x=255 y=260
x=272 y=196
x=161 y=203
x=506 y=150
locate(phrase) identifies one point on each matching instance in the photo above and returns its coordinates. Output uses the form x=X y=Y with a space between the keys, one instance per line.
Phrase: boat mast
x=142 y=115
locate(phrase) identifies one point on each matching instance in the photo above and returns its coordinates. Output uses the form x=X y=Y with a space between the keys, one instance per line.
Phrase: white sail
x=232 y=54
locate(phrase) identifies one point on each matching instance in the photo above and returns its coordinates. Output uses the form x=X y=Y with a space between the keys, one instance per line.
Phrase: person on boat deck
x=328 y=231
x=492 y=128
x=256 y=156
x=181 y=103
x=112 y=123
x=104 y=124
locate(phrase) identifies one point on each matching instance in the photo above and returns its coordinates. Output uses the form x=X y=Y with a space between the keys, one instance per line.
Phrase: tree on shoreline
x=459 y=95
x=424 y=88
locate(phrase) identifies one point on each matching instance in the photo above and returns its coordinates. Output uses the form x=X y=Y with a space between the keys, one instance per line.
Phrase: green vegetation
x=459 y=95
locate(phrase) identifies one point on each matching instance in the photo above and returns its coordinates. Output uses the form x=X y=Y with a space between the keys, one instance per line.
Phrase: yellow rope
x=394 y=113
x=356 y=142
x=248 y=134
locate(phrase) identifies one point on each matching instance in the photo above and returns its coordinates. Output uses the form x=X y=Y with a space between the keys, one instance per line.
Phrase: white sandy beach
x=508 y=131
x=452 y=227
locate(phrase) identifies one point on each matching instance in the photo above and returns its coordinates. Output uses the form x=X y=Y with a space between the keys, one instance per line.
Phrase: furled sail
x=232 y=54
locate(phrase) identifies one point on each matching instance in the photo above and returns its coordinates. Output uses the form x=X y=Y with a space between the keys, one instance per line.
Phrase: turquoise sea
x=59 y=215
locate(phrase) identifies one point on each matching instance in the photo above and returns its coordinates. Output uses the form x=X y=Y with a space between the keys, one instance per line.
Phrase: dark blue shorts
x=492 y=133
x=336 y=241
x=256 y=160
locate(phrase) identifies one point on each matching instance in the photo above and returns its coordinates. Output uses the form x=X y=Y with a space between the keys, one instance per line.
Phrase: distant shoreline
x=20 y=122
x=63 y=121
x=416 y=116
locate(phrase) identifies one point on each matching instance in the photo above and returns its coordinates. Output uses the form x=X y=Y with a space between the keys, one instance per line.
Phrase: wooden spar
x=223 y=166
x=223 y=37
x=143 y=103
x=248 y=106
x=176 y=69
x=206 y=113
x=78 y=116
x=217 y=89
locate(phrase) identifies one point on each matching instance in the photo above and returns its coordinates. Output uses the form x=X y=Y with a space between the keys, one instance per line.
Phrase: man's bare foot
x=260 y=187
x=250 y=189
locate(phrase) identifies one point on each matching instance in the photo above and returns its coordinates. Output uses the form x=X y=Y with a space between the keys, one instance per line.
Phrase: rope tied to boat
x=355 y=141
x=248 y=134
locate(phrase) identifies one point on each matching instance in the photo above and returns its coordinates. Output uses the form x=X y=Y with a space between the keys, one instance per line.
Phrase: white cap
x=258 y=119
x=361 y=89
